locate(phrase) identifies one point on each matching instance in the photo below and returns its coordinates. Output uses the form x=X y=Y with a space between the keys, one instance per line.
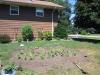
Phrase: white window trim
x=14 y=9
x=39 y=9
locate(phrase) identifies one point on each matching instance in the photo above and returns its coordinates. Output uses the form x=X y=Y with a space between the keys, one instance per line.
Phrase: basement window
x=39 y=12
x=14 y=10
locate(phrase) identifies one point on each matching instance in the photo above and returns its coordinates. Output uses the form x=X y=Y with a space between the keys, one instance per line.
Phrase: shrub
x=40 y=35
x=47 y=36
x=91 y=30
x=19 y=39
x=84 y=32
x=61 y=29
x=27 y=33
x=5 y=38
x=60 y=32
x=71 y=30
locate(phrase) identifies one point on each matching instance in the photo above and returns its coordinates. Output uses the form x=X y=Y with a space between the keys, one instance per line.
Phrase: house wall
x=11 y=25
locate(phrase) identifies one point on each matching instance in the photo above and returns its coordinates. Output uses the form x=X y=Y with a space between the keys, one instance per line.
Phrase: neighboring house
x=42 y=15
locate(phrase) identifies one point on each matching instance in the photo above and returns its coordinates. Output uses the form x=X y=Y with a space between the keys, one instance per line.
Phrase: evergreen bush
x=61 y=29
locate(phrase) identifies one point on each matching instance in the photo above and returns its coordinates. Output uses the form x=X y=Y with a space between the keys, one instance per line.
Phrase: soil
x=41 y=66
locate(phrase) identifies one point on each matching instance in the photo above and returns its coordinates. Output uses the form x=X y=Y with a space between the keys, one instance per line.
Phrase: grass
x=7 y=49
x=95 y=34
x=93 y=38
x=64 y=72
x=93 y=49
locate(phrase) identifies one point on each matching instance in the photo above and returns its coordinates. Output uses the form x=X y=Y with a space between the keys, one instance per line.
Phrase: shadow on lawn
x=87 y=40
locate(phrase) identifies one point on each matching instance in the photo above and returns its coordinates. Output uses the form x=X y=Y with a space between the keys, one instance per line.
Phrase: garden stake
x=84 y=72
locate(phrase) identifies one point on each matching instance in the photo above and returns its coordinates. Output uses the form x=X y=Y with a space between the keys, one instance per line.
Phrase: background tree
x=61 y=2
x=88 y=14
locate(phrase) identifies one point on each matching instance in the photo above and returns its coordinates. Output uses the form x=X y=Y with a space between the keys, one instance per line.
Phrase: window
x=14 y=10
x=39 y=12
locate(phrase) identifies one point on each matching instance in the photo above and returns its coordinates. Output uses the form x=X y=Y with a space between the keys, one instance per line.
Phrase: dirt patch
x=42 y=65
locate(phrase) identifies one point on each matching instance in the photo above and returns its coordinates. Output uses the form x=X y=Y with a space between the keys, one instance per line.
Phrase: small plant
x=27 y=33
x=5 y=38
x=40 y=35
x=9 y=69
x=19 y=68
x=42 y=54
x=47 y=36
x=19 y=39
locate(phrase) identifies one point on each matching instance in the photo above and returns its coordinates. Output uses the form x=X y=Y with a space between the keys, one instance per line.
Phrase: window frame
x=14 y=9
x=41 y=11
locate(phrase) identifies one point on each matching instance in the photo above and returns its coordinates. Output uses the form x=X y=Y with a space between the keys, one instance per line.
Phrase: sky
x=72 y=3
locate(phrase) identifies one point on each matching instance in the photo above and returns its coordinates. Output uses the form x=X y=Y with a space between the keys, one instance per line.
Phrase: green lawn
x=95 y=34
x=93 y=49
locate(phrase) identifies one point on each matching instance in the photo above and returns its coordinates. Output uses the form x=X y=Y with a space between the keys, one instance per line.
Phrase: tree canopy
x=88 y=14
x=61 y=2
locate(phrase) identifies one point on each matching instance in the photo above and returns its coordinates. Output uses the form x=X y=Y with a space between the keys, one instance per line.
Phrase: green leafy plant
x=27 y=33
x=42 y=54
x=5 y=38
x=19 y=39
x=91 y=30
x=84 y=32
x=9 y=69
x=19 y=68
x=40 y=35
x=47 y=36
x=61 y=29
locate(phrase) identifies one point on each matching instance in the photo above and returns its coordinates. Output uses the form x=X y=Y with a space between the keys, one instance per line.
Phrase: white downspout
x=52 y=23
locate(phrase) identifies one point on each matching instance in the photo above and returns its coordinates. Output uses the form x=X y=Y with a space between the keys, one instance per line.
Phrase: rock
x=21 y=45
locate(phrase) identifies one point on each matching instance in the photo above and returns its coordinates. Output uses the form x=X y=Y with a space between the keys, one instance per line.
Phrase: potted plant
x=8 y=70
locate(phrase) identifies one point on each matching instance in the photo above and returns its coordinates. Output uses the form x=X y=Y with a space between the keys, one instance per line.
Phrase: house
x=42 y=15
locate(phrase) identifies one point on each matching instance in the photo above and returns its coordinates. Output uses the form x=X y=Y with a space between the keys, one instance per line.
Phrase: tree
x=61 y=2
x=88 y=14
x=61 y=29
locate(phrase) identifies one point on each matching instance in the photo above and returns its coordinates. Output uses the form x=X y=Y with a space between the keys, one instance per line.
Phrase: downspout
x=53 y=22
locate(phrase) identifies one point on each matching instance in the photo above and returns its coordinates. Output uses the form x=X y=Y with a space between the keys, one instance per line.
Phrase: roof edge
x=34 y=4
